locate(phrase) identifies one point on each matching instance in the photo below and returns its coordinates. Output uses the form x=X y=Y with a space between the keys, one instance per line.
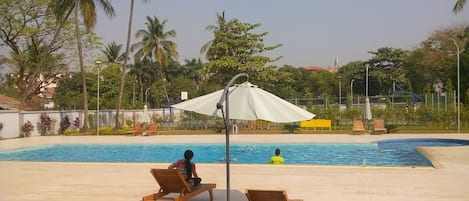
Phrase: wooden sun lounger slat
x=268 y=195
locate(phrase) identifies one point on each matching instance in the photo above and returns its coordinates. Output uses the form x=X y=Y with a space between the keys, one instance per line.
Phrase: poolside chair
x=152 y=129
x=268 y=195
x=137 y=130
x=379 y=127
x=172 y=181
x=358 y=127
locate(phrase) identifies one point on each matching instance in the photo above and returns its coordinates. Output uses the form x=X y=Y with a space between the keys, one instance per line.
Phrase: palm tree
x=459 y=6
x=144 y=72
x=124 y=67
x=113 y=53
x=155 y=43
x=222 y=25
x=87 y=9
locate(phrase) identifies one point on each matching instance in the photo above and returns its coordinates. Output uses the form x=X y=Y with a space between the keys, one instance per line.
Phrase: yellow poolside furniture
x=316 y=124
x=171 y=181
x=262 y=124
x=268 y=195
x=358 y=127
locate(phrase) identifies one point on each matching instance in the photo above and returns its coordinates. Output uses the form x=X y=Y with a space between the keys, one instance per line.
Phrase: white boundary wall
x=13 y=120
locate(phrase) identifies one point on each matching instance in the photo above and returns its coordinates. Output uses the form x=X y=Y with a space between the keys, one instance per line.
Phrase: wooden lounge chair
x=172 y=181
x=152 y=129
x=137 y=130
x=358 y=127
x=379 y=127
x=268 y=195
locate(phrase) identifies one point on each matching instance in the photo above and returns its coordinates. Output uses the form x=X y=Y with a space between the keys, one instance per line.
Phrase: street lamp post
x=351 y=91
x=459 y=87
x=98 y=62
x=146 y=96
x=366 y=82
x=340 y=91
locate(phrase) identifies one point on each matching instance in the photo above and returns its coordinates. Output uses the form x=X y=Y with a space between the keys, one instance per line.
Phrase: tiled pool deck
x=38 y=181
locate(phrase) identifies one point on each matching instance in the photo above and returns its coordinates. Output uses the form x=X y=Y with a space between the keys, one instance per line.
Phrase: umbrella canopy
x=248 y=102
x=146 y=115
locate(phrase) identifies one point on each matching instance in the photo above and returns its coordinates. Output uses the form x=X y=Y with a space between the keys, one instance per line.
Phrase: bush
x=391 y=128
x=45 y=124
x=64 y=124
x=26 y=129
x=292 y=128
x=76 y=123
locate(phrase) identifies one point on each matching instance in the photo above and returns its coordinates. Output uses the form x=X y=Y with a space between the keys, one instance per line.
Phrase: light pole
x=459 y=87
x=366 y=87
x=351 y=91
x=146 y=96
x=97 y=100
x=340 y=91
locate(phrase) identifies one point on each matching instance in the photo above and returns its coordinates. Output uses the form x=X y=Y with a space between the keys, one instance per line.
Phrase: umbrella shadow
x=220 y=194
x=235 y=195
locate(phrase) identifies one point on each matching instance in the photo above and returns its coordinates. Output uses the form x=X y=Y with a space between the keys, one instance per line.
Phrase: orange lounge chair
x=358 y=127
x=137 y=130
x=172 y=181
x=152 y=129
x=268 y=195
x=379 y=127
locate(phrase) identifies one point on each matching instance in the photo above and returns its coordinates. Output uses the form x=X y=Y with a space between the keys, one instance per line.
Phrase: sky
x=312 y=32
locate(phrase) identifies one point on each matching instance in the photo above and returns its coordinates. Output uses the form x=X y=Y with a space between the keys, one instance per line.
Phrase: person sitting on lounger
x=187 y=168
x=277 y=159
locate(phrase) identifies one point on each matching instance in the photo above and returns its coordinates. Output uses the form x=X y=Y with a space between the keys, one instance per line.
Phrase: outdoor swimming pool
x=383 y=153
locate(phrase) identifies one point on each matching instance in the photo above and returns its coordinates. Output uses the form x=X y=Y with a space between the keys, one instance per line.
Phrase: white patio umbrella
x=368 y=115
x=248 y=102
x=145 y=119
x=245 y=102
x=146 y=115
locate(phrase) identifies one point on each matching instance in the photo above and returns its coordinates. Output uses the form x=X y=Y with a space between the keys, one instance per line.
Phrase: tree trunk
x=124 y=67
x=82 y=69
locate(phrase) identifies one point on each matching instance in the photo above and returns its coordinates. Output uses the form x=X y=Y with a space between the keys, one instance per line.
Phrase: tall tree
x=221 y=25
x=113 y=53
x=145 y=72
x=87 y=9
x=435 y=58
x=236 y=49
x=36 y=46
x=192 y=70
x=458 y=7
x=387 y=66
x=156 y=43
x=124 y=67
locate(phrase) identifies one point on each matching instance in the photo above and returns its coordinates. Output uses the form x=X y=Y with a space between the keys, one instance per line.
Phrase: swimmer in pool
x=277 y=159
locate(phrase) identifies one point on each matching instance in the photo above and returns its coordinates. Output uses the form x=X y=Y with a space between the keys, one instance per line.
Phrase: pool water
x=385 y=153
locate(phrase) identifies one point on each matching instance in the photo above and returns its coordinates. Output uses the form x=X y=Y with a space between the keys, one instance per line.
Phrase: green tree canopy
x=236 y=49
x=388 y=65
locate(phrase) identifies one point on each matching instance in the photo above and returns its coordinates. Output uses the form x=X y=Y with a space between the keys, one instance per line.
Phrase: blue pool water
x=384 y=153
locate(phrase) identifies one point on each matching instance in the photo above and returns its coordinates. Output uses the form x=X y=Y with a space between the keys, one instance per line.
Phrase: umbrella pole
x=227 y=157
x=225 y=98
